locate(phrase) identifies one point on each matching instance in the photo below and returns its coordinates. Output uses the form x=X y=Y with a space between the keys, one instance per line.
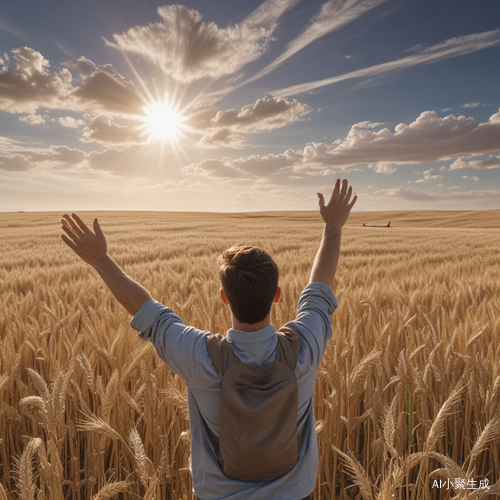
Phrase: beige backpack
x=258 y=411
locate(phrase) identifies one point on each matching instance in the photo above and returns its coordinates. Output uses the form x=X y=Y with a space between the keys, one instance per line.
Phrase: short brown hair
x=249 y=278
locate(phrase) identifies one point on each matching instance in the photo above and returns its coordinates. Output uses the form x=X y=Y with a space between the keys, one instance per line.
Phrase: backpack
x=258 y=438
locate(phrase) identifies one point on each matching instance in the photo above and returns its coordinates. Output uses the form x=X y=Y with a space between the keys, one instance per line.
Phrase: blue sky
x=249 y=106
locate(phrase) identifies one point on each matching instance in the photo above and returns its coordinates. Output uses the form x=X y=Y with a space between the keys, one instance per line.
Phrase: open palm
x=90 y=247
x=337 y=211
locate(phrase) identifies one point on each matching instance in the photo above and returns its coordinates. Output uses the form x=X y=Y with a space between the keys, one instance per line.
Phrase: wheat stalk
x=24 y=471
x=358 y=473
x=97 y=424
x=111 y=490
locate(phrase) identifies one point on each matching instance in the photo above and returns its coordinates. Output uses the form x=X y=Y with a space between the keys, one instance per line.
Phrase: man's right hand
x=335 y=215
x=337 y=211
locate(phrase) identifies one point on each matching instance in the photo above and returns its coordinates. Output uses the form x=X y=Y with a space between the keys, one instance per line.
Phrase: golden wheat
x=408 y=391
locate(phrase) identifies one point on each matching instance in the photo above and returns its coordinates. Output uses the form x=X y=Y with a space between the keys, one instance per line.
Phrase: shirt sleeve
x=313 y=324
x=178 y=345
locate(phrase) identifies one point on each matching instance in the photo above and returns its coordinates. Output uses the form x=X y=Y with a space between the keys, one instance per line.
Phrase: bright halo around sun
x=163 y=121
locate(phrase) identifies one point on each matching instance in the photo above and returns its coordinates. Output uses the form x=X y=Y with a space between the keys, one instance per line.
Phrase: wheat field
x=407 y=395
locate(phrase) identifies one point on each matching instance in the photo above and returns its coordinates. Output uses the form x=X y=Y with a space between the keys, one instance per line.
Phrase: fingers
x=352 y=202
x=68 y=222
x=348 y=195
x=321 y=200
x=68 y=242
x=97 y=229
x=70 y=233
x=344 y=189
x=81 y=224
x=343 y=194
x=336 y=189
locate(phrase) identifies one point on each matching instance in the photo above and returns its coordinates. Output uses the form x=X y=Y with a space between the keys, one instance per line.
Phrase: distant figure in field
x=249 y=278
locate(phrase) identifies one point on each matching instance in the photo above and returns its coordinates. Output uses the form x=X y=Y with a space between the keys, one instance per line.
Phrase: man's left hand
x=90 y=247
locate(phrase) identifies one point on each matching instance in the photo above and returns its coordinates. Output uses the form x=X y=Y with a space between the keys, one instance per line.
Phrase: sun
x=163 y=121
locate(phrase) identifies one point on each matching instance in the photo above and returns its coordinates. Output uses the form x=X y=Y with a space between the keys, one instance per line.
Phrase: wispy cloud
x=15 y=156
x=472 y=105
x=449 y=48
x=119 y=161
x=14 y=30
x=268 y=14
x=415 y=195
x=333 y=15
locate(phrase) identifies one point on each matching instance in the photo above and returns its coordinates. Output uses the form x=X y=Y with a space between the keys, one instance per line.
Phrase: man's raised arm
x=334 y=215
x=93 y=249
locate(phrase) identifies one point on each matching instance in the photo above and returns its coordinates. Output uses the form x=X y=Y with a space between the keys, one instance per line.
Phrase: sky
x=237 y=106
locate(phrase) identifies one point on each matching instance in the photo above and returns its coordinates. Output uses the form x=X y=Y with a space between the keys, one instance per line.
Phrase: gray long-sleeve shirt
x=183 y=349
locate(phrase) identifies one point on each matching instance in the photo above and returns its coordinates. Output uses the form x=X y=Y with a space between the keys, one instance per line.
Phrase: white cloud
x=106 y=91
x=383 y=168
x=449 y=48
x=225 y=128
x=82 y=65
x=266 y=114
x=442 y=169
x=428 y=139
x=429 y=176
x=27 y=84
x=32 y=119
x=222 y=138
x=475 y=178
x=70 y=122
x=490 y=163
x=105 y=131
x=188 y=48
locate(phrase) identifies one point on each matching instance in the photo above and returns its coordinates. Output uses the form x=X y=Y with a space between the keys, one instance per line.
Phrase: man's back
x=183 y=349
x=249 y=278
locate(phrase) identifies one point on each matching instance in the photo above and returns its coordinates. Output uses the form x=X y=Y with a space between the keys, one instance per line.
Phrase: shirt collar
x=256 y=337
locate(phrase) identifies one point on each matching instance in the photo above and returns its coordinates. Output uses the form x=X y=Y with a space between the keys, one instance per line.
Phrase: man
x=252 y=337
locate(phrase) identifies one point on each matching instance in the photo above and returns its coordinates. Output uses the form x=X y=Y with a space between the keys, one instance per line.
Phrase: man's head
x=249 y=278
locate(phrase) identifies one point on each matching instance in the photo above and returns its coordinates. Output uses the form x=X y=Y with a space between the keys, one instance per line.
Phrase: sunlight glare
x=162 y=121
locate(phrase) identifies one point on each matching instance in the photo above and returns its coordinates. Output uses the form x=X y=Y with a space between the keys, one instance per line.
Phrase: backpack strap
x=288 y=350
x=220 y=352
x=222 y=356
x=288 y=347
